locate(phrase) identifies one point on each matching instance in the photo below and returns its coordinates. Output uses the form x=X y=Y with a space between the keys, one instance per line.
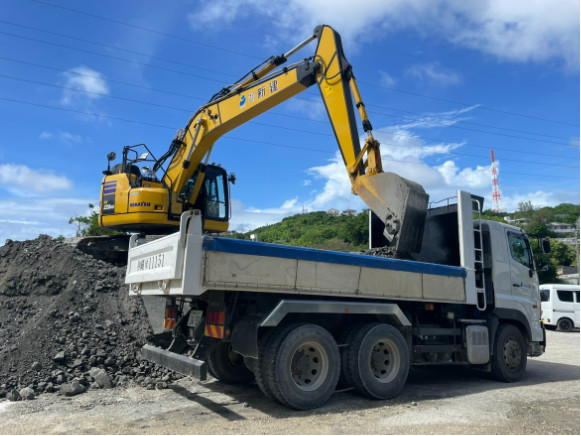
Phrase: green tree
x=526 y=208
x=89 y=225
x=562 y=254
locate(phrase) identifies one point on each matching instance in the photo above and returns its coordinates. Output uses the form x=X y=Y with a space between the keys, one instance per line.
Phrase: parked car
x=560 y=305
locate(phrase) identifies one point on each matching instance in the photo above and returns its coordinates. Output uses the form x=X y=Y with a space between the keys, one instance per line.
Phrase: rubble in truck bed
x=67 y=323
x=386 y=252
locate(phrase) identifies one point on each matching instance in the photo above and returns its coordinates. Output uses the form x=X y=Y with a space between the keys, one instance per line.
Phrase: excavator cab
x=133 y=198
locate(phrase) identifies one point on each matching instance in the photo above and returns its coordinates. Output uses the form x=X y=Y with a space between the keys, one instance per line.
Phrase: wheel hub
x=512 y=353
x=383 y=361
x=309 y=366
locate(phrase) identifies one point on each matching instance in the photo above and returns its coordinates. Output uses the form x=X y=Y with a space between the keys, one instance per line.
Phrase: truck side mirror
x=546 y=245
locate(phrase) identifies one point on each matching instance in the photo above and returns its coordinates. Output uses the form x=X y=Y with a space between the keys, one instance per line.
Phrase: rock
x=166 y=378
x=36 y=366
x=101 y=378
x=109 y=361
x=161 y=385
x=59 y=357
x=27 y=393
x=73 y=388
x=14 y=395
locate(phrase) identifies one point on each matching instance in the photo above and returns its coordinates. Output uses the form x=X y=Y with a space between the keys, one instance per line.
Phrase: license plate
x=195 y=318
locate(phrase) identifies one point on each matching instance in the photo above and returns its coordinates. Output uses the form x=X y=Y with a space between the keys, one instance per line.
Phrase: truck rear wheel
x=509 y=360
x=377 y=361
x=228 y=366
x=261 y=367
x=565 y=325
x=304 y=366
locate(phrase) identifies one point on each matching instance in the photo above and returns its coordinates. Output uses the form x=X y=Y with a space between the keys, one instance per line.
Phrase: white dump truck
x=302 y=321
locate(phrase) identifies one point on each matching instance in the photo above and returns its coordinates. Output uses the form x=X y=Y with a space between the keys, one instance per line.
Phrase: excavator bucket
x=401 y=204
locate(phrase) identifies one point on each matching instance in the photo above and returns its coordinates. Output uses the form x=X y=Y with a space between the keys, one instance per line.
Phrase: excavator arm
x=399 y=203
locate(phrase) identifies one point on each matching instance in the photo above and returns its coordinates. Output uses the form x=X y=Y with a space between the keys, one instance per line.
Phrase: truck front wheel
x=377 y=361
x=228 y=366
x=509 y=360
x=305 y=366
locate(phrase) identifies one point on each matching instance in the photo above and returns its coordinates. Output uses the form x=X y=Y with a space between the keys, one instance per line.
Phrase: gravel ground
x=436 y=400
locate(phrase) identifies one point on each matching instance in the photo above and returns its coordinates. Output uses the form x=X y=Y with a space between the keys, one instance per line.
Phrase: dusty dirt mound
x=63 y=314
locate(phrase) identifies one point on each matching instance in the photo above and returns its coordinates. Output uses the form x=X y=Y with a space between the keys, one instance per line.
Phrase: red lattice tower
x=496 y=202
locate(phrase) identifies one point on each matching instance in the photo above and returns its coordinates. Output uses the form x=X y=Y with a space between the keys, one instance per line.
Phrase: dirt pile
x=67 y=322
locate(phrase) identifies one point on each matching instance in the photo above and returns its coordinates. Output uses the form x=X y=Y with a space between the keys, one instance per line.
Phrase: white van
x=560 y=305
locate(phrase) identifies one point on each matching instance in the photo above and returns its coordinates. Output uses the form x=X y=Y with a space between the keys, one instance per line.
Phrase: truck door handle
x=516 y=284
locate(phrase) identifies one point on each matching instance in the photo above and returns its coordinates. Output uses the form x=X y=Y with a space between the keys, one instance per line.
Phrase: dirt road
x=436 y=400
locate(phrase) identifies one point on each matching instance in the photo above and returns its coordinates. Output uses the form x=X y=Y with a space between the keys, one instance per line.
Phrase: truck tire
x=565 y=325
x=509 y=359
x=228 y=366
x=304 y=366
x=261 y=367
x=346 y=339
x=377 y=361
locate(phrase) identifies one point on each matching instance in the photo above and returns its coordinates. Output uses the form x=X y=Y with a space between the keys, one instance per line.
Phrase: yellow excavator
x=145 y=194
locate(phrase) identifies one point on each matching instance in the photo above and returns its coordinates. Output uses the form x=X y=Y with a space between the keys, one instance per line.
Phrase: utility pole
x=577 y=236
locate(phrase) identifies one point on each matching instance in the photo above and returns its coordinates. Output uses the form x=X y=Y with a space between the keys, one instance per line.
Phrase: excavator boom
x=399 y=203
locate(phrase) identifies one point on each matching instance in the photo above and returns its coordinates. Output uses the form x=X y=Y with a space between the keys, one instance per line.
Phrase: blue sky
x=443 y=83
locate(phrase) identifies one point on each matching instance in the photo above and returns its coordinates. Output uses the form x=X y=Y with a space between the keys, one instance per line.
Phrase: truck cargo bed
x=216 y=263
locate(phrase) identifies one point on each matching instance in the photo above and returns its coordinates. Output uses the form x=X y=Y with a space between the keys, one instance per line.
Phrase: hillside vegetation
x=316 y=230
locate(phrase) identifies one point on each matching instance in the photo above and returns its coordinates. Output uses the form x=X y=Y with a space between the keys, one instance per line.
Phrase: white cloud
x=24 y=181
x=516 y=30
x=386 y=80
x=66 y=138
x=246 y=218
x=439 y=119
x=469 y=178
x=22 y=220
x=85 y=79
x=433 y=74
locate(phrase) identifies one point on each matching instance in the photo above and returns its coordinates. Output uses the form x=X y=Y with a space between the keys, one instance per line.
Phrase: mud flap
x=176 y=362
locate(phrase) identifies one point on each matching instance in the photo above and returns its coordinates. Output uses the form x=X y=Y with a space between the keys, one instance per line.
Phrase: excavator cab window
x=216 y=190
x=213 y=198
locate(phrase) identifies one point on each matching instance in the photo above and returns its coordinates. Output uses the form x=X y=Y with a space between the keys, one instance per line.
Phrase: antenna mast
x=496 y=202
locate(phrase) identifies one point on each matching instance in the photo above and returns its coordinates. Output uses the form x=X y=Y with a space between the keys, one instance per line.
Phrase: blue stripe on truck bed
x=238 y=246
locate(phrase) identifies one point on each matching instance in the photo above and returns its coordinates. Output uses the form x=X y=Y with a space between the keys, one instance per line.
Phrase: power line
x=75 y=38
x=267 y=125
x=189 y=111
x=486 y=108
x=157 y=67
x=145 y=29
x=470 y=122
x=270 y=125
x=288 y=115
x=478 y=131
x=219 y=72
x=251 y=56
